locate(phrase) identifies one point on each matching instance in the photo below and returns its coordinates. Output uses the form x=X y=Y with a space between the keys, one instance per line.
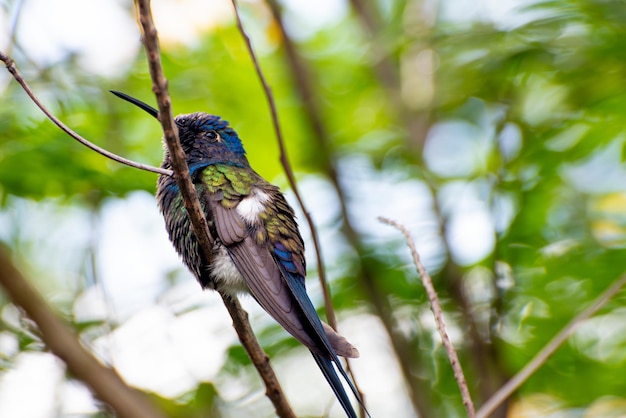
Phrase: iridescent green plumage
x=233 y=182
x=276 y=222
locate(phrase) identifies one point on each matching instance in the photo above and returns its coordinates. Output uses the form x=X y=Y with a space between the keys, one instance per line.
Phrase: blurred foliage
x=525 y=114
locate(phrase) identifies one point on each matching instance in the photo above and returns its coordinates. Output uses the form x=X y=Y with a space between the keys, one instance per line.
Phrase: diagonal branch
x=56 y=334
x=12 y=68
x=540 y=358
x=438 y=313
x=330 y=313
x=304 y=85
x=196 y=215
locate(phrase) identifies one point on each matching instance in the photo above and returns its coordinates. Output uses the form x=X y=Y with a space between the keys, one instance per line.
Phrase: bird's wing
x=270 y=257
x=259 y=269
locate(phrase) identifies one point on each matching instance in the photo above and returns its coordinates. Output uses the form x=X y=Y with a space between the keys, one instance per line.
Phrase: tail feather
x=326 y=366
x=349 y=382
x=324 y=351
x=339 y=343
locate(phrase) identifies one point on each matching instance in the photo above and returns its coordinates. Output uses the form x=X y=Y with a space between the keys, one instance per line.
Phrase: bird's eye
x=212 y=136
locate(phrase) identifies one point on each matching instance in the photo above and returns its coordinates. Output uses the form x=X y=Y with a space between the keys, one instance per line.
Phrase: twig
x=12 y=68
x=438 y=313
x=540 y=358
x=306 y=89
x=364 y=268
x=104 y=382
x=170 y=132
x=330 y=313
x=196 y=215
x=260 y=360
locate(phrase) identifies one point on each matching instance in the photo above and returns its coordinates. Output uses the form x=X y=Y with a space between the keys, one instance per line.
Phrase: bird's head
x=206 y=139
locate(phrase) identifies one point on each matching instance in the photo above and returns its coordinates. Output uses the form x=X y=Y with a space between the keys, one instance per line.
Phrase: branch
x=540 y=358
x=330 y=313
x=56 y=334
x=318 y=128
x=170 y=132
x=12 y=68
x=260 y=360
x=401 y=346
x=438 y=313
x=196 y=215
x=305 y=87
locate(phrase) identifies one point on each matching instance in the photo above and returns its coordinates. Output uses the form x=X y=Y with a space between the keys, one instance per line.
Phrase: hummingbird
x=257 y=246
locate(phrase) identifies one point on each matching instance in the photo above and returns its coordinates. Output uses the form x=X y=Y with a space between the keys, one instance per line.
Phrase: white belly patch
x=226 y=275
x=252 y=206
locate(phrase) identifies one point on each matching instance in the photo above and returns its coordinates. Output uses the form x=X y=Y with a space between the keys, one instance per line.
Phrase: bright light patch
x=102 y=34
x=28 y=389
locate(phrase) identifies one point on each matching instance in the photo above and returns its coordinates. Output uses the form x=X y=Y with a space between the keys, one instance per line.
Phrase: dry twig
x=330 y=313
x=438 y=313
x=305 y=87
x=540 y=358
x=12 y=68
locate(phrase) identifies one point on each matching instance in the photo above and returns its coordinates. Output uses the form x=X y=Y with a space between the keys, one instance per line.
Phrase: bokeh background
x=493 y=130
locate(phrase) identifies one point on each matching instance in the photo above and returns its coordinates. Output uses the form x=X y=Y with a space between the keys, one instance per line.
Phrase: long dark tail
x=316 y=337
x=326 y=366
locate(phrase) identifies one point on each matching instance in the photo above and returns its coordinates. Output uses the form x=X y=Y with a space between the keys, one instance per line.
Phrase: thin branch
x=540 y=358
x=259 y=358
x=330 y=313
x=56 y=334
x=170 y=132
x=305 y=87
x=196 y=215
x=438 y=313
x=401 y=346
x=298 y=71
x=12 y=68
x=484 y=357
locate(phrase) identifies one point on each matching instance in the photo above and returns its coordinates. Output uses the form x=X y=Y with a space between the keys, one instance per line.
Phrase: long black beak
x=152 y=111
